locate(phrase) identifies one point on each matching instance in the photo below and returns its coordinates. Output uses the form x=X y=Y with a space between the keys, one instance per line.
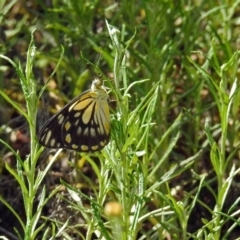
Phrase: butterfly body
x=82 y=125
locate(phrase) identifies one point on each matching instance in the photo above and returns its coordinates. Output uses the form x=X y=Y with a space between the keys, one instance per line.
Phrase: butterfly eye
x=82 y=125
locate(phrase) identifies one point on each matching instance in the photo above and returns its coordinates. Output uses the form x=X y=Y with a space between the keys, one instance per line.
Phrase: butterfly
x=82 y=125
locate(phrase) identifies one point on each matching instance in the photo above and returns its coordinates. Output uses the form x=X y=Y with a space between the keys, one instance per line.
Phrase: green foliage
x=172 y=165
